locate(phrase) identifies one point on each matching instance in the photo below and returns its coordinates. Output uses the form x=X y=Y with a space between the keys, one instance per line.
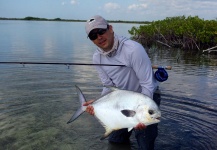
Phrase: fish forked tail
x=82 y=108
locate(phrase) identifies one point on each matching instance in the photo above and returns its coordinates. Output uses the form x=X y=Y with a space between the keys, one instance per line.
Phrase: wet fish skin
x=121 y=109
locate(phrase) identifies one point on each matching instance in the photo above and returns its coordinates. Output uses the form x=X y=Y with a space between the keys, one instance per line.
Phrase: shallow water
x=36 y=101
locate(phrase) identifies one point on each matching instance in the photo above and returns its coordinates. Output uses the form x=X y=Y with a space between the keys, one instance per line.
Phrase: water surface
x=36 y=101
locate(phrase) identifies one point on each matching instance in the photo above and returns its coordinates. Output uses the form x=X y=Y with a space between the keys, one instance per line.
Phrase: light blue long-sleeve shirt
x=136 y=76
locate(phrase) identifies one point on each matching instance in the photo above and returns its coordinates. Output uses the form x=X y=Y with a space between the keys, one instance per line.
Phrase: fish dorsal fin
x=112 y=88
x=128 y=113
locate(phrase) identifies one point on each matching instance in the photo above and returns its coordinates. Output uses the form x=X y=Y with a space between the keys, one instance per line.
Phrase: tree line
x=189 y=33
x=30 y=18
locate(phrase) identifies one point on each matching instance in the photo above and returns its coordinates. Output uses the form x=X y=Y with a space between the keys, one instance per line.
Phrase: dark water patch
x=188 y=102
x=6 y=142
x=190 y=124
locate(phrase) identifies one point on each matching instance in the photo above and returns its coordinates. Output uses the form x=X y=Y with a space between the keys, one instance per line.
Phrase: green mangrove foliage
x=180 y=32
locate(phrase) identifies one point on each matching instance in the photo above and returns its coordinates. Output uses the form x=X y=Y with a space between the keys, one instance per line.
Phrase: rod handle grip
x=165 y=67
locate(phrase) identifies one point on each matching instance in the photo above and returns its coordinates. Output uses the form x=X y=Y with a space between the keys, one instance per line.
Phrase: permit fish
x=120 y=109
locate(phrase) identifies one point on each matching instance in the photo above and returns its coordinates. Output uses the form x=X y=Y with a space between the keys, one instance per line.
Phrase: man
x=136 y=76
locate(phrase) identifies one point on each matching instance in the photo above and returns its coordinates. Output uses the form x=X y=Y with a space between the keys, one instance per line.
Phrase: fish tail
x=82 y=108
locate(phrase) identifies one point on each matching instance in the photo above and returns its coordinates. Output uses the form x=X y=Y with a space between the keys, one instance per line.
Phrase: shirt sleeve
x=141 y=64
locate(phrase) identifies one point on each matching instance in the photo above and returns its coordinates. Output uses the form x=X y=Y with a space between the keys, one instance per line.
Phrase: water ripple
x=194 y=119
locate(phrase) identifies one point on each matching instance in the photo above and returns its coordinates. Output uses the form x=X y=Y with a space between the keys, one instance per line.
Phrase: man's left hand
x=140 y=126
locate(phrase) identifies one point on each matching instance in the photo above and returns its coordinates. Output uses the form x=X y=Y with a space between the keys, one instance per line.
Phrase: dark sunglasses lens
x=93 y=35
x=101 y=31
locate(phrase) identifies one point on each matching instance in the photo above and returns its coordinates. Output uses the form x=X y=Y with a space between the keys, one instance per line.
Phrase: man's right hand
x=89 y=108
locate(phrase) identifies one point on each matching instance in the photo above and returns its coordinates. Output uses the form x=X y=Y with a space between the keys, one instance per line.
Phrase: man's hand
x=89 y=108
x=140 y=126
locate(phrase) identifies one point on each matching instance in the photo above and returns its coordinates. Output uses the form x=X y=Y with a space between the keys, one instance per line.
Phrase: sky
x=125 y=10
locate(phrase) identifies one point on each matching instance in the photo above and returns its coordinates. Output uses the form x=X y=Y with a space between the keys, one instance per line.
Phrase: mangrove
x=187 y=33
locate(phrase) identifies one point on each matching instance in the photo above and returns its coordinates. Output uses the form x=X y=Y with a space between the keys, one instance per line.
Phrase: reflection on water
x=36 y=101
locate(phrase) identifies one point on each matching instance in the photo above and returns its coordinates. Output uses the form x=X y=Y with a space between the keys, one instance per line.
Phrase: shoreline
x=71 y=20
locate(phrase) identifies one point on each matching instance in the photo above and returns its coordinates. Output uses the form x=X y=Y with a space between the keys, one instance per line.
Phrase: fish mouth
x=158 y=118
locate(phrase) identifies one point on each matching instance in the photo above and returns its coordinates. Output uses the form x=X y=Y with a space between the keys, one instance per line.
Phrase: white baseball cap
x=94 y=23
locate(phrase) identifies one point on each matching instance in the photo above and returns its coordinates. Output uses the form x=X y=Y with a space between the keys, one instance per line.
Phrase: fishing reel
x=161 y=75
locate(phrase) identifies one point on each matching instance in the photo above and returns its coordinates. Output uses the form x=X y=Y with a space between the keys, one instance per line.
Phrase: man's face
x=106 y=40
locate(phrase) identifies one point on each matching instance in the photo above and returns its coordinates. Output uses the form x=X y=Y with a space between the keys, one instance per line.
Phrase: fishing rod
x=160 y=75
x=84 y=64
x=55 y=63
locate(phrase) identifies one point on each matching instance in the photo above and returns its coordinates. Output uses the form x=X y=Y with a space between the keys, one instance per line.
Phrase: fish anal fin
x=128 y=113
x=107 y=129
x=107 y=133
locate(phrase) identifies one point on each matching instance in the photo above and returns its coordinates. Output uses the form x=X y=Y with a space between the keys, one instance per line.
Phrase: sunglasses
x=94 y=34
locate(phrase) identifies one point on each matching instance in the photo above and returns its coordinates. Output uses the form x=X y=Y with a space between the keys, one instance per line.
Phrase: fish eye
x=151 y=112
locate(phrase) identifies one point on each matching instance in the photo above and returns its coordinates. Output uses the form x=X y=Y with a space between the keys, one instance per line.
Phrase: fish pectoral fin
x=128 y=113
x=107 y=133
x=129 y=129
